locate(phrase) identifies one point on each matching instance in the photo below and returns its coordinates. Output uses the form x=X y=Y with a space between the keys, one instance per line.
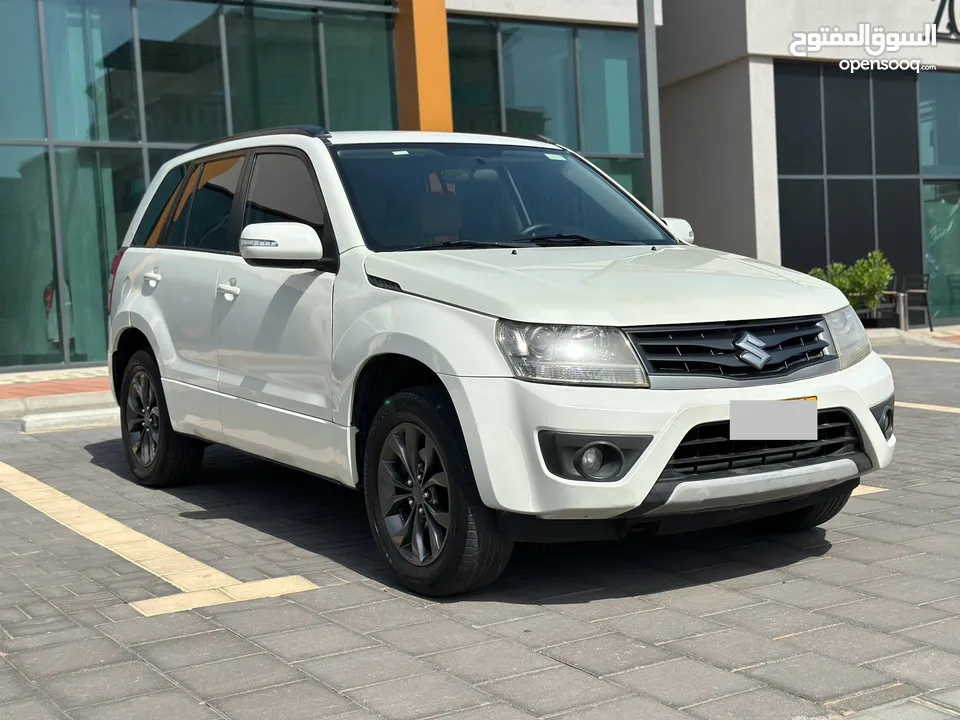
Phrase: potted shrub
x=863 y=283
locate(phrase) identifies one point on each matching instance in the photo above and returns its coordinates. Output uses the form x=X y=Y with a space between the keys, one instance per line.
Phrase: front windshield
x=425 y=196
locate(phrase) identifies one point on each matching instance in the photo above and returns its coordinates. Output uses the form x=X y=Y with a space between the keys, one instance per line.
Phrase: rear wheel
x=157 y=456
x=422 y=501
x=804 y=518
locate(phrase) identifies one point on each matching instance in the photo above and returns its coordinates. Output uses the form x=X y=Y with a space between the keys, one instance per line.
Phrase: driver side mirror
x=281 y=244
x=680 y=228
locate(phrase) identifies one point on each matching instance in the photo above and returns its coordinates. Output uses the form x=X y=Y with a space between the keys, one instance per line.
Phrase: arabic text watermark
x=914 y=64
x=874 y=41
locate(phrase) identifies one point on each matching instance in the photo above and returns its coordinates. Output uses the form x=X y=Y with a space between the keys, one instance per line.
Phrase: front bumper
x=502 y=420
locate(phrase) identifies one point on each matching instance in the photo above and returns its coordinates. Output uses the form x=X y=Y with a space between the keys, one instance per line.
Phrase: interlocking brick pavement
x=860 y=618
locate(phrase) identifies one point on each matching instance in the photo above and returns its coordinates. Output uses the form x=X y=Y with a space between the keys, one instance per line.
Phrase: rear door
x=176 y=275
x=275 y=330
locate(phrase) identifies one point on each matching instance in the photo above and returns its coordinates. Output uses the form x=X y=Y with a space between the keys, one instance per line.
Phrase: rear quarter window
x=158 y=209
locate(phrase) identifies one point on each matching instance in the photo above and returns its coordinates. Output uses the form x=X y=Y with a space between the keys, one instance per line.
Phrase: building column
x=423 y=66
x=649 y=16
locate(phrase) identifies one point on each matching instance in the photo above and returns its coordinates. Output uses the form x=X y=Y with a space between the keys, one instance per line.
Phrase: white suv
x=491 y=338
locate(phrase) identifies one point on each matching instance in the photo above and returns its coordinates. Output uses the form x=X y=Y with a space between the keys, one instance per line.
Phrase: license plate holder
x=792 y=419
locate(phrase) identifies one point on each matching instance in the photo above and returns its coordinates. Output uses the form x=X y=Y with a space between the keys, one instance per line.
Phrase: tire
x=804 y=518
x=176 y=458
x=473 y=553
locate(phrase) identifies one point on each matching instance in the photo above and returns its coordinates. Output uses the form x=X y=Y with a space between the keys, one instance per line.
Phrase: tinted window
x=181 y=213
x=421 y=195
x=282 y=190
x=895 y=123
x=799 y=143
x=850 y=217
x=846 y=113
x=209 y=225
x=803 y=225
x=158 y=209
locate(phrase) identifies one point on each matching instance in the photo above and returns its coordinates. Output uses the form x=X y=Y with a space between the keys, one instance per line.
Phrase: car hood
x=616 y=286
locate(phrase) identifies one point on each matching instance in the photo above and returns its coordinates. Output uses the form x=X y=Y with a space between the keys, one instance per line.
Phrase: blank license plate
x=793 y=419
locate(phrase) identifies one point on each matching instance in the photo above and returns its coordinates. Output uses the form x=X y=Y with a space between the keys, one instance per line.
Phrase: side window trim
x=328 y=238
x=235 y=207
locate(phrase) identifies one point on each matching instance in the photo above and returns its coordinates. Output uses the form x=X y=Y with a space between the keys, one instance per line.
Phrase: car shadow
x=327 y=525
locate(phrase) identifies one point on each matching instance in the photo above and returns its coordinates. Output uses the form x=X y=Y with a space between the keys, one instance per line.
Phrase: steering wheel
x=537 y=229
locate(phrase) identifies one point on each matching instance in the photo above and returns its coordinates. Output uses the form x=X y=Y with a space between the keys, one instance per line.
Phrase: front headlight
x=570 y=354
x=850 y=340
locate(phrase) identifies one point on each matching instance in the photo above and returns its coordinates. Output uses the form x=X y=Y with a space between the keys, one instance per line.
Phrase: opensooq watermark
x=874 y=41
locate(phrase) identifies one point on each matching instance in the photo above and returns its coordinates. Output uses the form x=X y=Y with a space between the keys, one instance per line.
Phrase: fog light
x=598 y=461
x=886 y=422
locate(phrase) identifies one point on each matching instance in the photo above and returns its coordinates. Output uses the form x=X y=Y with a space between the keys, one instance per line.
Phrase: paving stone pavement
x=861 y=618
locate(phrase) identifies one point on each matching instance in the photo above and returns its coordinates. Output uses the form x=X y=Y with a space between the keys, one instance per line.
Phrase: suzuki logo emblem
x=753 y=350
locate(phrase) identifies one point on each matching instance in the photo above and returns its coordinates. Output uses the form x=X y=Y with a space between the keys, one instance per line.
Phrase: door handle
x=152 y=277
x=229 y=291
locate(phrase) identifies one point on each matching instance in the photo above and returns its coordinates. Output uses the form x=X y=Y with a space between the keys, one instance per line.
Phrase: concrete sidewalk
x=58 y=399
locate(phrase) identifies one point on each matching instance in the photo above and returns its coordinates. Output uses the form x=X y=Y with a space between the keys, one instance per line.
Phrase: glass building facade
x=97 y=94
x=871 y=161
x=579 y=86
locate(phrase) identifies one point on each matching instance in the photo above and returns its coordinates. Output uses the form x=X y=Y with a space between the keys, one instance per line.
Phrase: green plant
x=863 y=282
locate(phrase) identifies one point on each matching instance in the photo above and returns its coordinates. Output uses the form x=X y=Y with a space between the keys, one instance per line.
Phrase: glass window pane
x=282 y=190
x=29 y=300
x=474 y=76
x=161 y=204
x=21 y=85
x=899 y=226
x=274 y=68
x=803 y=225
x=846 y=113
x=626 y=171
x=610 y=98
x=92 y=79
x=177 y=232
x=538 y=79
x=182 y=71
x=209 y=225
x=99 y=191
x=939 y=123
x=895 y=123
x=361 y=81
x=799 y=139
x=850 y=210
x=941 y=205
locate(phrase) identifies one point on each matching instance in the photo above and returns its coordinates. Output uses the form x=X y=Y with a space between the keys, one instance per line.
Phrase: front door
x=274 y=329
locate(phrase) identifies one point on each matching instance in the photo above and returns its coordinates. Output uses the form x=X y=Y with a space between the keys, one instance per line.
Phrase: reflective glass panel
x=539 y=83
x=474 y=76
x=610 y=97
x=939 y=123
x=21 y=85
x=360 y=72
x=941 y=206
x=99 y=191
x=182 y=71
x=274 y=67
x=92 y=75
x=29 y=300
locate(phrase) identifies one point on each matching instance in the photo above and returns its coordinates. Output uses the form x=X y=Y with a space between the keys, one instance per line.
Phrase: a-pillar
x=423 y=66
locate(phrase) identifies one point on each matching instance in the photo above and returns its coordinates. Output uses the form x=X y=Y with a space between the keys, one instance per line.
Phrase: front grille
x=712 y=350
x=708 y=449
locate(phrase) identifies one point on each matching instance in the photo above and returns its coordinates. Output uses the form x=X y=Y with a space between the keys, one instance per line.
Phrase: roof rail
x=314 y=131
x=530 y=136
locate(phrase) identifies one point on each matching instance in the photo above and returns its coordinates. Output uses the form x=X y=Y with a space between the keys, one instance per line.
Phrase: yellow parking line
x=867 y=490
x=924 y=359
x=201 y=584
x=931 y=408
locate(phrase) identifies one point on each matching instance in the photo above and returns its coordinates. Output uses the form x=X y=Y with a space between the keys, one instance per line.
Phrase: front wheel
x=804 y=518
x=422 y=501
x=157 y=456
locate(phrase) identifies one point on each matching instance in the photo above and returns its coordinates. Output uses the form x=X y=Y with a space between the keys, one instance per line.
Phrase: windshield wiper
x=569 y=239
x=448 y=244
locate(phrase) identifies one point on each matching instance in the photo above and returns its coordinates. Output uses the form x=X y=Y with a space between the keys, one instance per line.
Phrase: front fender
x=448 y=340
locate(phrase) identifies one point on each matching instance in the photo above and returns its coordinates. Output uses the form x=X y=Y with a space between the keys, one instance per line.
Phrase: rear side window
x=209 y=225
x=159 y=208
x=177 y=233
x=282 y=190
